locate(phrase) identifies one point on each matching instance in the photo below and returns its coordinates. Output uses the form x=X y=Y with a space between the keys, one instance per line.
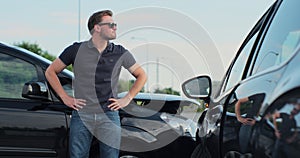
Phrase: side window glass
x=14 y=73
x=282 y=37
x=237 y=70
x=67 y=85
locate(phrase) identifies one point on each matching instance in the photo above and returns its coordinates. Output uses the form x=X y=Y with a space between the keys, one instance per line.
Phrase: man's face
x=107 y=28
x=296 y=109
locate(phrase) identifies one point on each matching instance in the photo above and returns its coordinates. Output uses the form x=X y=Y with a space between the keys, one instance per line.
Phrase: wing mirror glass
x=198 y=87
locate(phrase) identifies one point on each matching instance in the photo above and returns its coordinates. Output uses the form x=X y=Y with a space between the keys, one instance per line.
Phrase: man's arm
x=246 y=121
x=275 y=116
x=51 y=74
x=141 y=78
x=138 y=72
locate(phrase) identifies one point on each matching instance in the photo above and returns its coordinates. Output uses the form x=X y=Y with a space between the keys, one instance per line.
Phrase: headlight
x=184 y=127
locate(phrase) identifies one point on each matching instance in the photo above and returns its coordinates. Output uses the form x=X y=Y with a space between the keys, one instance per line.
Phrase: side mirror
x=35 y=90
x=197 y=87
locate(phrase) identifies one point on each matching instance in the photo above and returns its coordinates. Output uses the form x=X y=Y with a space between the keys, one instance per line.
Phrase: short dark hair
x=97 y=18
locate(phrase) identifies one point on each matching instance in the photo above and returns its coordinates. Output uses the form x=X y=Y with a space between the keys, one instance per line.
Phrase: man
x=97 y=65
x=286 y=132
x=249 y=106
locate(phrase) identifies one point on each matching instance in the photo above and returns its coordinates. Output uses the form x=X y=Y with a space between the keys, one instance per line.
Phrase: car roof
x=27 y=52
x=160 y=97
x=33 y=55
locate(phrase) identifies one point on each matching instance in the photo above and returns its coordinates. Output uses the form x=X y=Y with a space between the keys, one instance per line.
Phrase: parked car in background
x=35 y=123
x=255 y=112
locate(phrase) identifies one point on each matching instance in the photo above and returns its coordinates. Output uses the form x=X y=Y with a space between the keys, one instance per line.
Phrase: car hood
x=171 y=104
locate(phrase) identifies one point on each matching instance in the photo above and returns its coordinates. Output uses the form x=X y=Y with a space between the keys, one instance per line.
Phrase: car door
x=220 y=127
x=221 y=132
x=28 y=128
x=247 y=102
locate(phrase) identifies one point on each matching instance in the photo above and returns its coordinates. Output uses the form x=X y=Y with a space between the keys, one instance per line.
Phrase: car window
x=67 y=85
x=69 y=89
x=237 y=70
x=281 y=39
x=14 y=73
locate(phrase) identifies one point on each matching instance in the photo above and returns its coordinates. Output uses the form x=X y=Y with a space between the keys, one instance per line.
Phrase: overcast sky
x=185 y=38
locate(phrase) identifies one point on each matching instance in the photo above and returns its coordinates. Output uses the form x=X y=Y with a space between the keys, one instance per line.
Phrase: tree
x=167 y=91
x=35 y=48
x=125 y=85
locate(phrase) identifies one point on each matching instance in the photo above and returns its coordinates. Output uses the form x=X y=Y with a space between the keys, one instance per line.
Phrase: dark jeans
x=104 y=126
x=285 y=150
x=244 y=137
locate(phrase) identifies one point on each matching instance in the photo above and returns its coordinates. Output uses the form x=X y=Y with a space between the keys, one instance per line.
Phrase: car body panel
x=150 y=131
x=31 y=127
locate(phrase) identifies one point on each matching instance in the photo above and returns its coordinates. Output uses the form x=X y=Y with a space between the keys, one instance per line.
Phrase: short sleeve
x=128 y=60
x=69 y=54
x=258 y=98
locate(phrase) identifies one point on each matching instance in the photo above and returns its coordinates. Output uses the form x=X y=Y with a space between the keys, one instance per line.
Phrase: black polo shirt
x=96 y=74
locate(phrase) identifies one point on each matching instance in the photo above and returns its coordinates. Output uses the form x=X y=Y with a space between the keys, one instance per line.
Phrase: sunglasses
x=110 y=25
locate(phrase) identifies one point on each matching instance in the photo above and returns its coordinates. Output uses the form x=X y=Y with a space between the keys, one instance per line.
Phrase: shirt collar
x=108 y=48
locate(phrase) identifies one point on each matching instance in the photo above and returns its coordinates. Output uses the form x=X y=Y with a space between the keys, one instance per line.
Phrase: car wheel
x=133 y=155
x=128 y=156
x=200 y=151
x=235 y=154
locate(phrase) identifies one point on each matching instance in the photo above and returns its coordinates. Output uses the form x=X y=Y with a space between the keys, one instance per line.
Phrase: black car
x=35 y=123
x=159 y=125
x=255 y=112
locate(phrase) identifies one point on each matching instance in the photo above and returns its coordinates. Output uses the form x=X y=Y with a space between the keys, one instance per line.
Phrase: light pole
x=157 y=71
x=168 y=67
x=78 y=20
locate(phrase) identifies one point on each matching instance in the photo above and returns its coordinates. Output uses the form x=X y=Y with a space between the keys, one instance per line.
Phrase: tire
x=133 y=155
x=128 y=156
x=200 y=151
x=235 y=154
